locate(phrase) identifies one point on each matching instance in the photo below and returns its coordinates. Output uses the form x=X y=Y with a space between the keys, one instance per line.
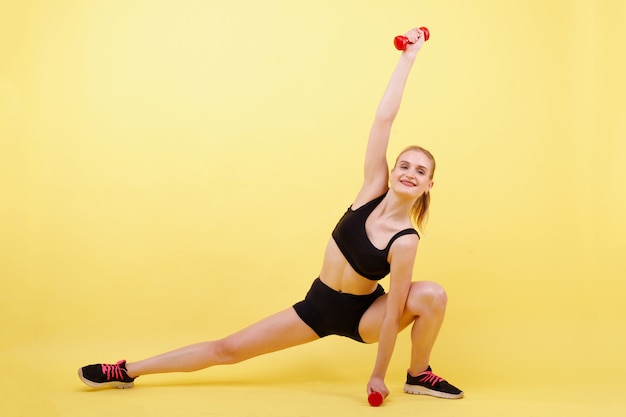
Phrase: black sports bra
x=351 y=238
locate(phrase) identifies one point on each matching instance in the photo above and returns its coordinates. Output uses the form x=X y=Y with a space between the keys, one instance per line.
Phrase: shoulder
x=407 y=240
x=402 y=256
x=403 y=249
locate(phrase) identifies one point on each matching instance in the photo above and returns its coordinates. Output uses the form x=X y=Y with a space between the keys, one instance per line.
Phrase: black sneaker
x=428 y=383
x=102 y=375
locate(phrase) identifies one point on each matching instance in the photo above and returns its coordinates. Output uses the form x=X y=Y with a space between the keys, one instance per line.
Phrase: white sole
x=419 y=390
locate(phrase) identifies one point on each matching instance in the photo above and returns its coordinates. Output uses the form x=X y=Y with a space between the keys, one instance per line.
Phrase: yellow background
x=171 y=171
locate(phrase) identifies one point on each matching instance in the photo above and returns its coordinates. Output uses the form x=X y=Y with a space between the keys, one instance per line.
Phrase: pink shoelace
x=430 y=378
x=114 y=372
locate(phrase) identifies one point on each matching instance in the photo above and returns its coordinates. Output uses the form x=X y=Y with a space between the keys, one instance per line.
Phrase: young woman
x=374 y=238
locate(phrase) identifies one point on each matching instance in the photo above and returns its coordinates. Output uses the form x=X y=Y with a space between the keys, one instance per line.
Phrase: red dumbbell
x=375 y=399
x=402 y=41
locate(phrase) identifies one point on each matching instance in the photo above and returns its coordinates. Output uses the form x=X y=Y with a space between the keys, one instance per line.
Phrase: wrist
x=378 y=374
x=408 y=56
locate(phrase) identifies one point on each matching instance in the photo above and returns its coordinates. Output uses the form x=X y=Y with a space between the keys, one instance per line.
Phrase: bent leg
x=425 y=308
x=279 y=331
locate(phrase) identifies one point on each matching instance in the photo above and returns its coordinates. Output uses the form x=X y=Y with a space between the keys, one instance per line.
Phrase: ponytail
x=419 y=211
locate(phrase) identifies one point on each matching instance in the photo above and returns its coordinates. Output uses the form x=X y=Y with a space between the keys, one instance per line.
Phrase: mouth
x=408 y=183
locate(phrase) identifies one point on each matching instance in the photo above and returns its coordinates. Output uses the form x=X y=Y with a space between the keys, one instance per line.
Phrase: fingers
x=414 y=35
x=379 y=388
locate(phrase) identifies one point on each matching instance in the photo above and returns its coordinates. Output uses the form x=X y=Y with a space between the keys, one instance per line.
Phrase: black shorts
x=328 y=312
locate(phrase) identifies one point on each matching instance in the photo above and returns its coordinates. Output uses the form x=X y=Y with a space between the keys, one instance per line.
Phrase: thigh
x=276 y=332
x=372 y=320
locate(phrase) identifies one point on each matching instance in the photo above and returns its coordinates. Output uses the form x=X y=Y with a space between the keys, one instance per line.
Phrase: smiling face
x=413 y=173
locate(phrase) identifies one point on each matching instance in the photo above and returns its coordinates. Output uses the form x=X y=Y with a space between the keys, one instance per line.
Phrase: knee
x=225 y=351
x=427 y=297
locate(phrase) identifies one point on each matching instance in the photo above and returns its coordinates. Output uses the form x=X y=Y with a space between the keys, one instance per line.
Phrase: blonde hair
x=419 y=211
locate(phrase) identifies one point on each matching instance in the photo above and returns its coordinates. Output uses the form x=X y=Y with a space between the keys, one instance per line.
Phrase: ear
x=430 y=185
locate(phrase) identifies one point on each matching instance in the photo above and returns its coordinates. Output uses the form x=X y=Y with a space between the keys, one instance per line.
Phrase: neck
x=396 y=206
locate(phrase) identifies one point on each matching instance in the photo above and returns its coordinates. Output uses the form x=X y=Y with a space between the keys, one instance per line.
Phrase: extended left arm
x=402 y=259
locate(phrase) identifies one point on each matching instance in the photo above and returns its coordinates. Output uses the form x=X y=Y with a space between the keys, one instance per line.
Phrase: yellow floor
x=40 y=380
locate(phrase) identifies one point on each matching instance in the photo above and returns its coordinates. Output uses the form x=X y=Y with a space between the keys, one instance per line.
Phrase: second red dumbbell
x=401 y=42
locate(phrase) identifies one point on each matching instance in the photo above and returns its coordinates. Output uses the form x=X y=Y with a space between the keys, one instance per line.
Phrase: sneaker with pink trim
x=428 y=383
x=102 y=375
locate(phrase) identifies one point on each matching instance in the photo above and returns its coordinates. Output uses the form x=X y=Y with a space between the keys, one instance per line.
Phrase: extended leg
x=279 y=331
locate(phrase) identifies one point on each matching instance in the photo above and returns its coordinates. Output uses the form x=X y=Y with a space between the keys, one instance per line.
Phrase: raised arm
x=376 y=170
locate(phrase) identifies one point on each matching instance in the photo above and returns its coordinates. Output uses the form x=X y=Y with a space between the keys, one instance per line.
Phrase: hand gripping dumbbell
x=402 y=41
